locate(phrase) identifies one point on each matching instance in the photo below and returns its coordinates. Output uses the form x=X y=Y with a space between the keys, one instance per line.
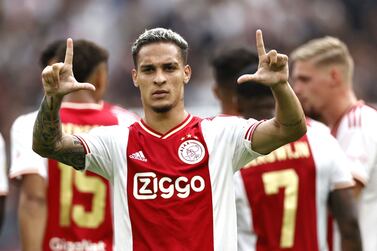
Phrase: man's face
x=161 y=75
x=311 y=86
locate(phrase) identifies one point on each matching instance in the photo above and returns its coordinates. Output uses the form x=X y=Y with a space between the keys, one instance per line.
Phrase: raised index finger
x=260 y=43
x=69 y=52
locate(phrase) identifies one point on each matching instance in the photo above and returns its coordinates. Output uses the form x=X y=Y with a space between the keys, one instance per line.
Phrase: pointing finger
x=69 y=52
x=260 y=43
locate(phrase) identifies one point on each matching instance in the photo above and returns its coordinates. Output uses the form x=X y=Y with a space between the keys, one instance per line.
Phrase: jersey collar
x=172 y=131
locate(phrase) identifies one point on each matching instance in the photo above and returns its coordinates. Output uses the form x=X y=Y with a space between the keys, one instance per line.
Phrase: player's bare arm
x=48 y=138
x=289 y=122
x=347 y=219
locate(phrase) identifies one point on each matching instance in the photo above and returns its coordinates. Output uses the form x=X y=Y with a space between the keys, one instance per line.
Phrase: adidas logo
x=139 y=156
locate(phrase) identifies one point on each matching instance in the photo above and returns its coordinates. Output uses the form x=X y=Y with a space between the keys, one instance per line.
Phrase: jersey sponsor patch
x=191 y=151
x=147 y=186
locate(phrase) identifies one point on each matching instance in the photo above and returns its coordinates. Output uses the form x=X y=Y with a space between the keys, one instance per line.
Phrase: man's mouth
x=160 y=93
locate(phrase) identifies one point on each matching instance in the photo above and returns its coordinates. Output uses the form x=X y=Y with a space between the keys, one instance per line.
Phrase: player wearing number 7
x=282 y=198
x=172 y=173
x=61 y=208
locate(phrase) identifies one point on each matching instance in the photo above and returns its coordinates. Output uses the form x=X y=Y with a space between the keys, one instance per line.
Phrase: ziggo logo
x=146 y=185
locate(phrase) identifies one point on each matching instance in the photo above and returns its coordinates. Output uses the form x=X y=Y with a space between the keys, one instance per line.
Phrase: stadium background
x=26 y=26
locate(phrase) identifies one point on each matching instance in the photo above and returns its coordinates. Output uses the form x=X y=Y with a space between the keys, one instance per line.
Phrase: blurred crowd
x=26 y=26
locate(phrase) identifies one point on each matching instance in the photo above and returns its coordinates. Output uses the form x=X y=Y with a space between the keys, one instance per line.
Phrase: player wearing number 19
x=282 y=198
x=60 y=208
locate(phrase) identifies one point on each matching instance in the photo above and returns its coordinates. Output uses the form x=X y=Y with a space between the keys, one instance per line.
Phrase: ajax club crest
x=191 y=151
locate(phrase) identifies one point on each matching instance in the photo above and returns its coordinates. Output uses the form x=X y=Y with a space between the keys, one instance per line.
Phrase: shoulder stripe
x=83 y=142
x=250 y=131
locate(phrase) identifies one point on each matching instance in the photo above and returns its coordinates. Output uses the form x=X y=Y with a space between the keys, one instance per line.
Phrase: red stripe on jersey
x=282 y=195
x=247 y=132
x=253 y=127
x=334 y=129
x=170 y=201
x=84 y=144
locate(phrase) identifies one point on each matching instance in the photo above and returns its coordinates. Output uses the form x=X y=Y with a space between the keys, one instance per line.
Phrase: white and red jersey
x=281 y=198
x=356 y=133
x=173 y=191
x=79 y=204
x=3 y=169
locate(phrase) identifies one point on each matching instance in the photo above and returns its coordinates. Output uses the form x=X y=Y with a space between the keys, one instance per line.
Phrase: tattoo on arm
x=74 y=155
x=47 y=128
x=48 y=139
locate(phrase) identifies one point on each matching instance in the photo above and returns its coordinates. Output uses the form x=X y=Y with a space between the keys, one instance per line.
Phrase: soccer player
x=229 y=62
x=172 y=173
x=282 y=198
x=3 y=180
x=322 y=75
x=60 y=208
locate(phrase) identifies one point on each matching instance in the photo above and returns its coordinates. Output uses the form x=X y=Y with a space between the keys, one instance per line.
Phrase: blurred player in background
x=323 y=79
x=60 y=208
x=3 y=180
x=224 y=88
x=172 y=173
x=282 y=198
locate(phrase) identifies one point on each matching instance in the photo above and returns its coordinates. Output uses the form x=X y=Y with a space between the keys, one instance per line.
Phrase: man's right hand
x=58 y=79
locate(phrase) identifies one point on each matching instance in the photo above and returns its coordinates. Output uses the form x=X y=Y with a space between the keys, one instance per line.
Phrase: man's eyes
x=168 y=68
x=149 y=69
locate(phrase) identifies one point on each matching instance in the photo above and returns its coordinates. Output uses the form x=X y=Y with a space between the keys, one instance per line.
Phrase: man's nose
x=159 y=78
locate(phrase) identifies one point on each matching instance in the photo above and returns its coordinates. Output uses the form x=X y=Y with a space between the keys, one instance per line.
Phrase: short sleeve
x=23 y=159
x=3 y=169
x=231 y=136
x=105 y=149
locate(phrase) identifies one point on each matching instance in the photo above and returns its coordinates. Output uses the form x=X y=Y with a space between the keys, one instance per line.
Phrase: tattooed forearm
x=48 y=139
x=73 y=156
x=47 y=128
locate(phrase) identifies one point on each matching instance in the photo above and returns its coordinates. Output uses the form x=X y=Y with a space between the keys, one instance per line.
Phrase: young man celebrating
x=172 y=173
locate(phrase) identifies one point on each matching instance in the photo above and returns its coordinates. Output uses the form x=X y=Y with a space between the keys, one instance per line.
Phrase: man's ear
x=134 y=77
x=336 y=76
x=187 y=71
